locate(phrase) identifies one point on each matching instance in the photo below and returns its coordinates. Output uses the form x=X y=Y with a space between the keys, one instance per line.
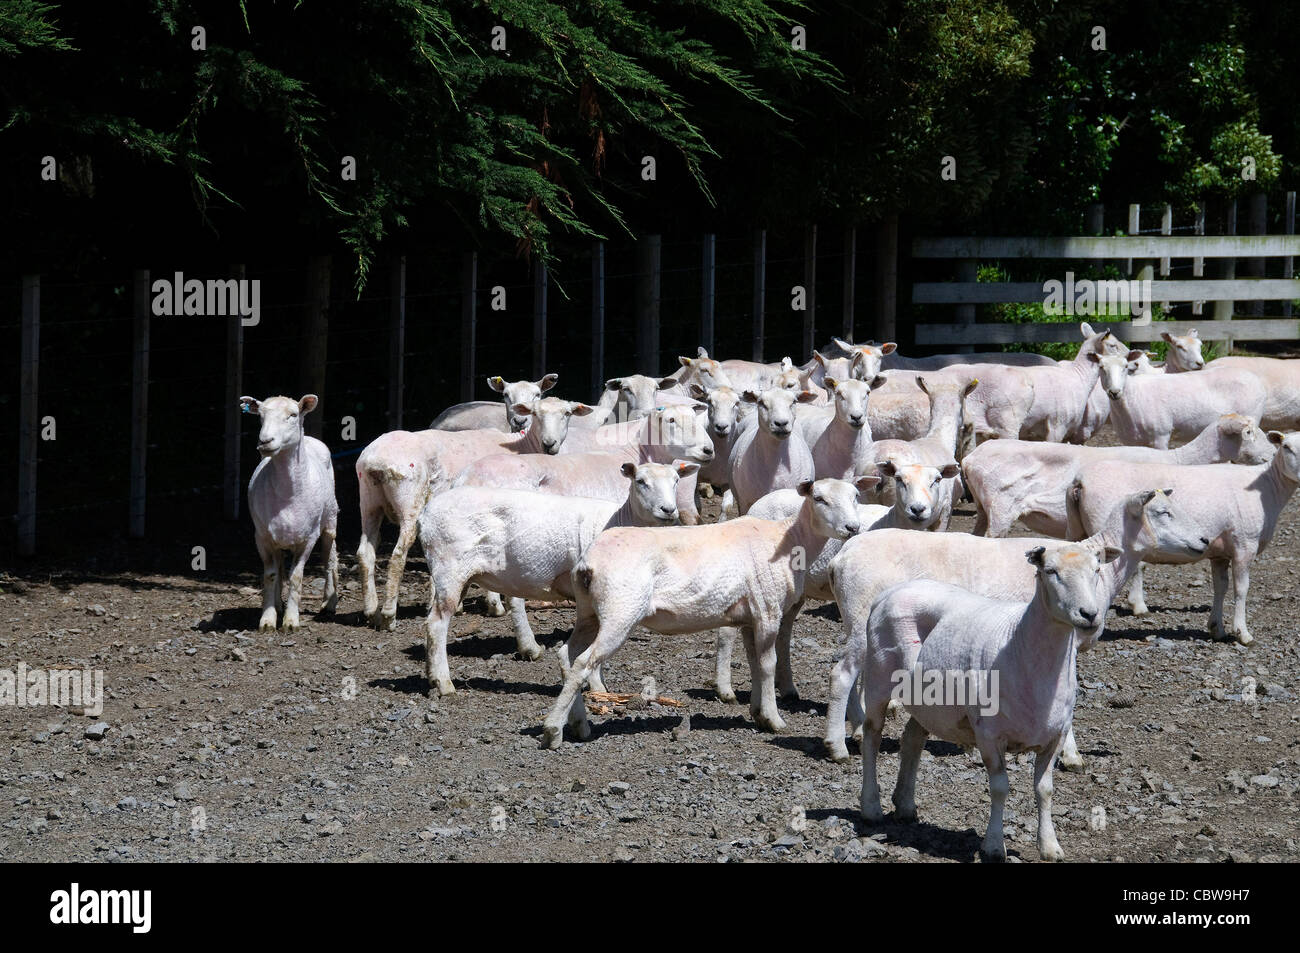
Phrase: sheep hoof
x=871 y=813
x=790 y=694
x=1244 y=637
x=837 y=751
x=582 y=730
x=1139 y=608
x=266 y=628
x=530 y=653
x=905 y=814
x=995 y=855
x=442 y=687
x=774 y=724
x=728 y=696
x=1051 y=852
x=551 y=738
x=330 y=605
x=1072 y=762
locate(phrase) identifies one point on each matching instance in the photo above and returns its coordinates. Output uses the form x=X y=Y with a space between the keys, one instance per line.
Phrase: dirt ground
x=223 y=744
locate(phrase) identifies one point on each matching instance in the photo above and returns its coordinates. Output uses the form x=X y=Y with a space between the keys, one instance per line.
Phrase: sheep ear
x=880 y=380
x=1085 y=329
x=1035 y=556
x=786 y=363
x=628 y=470
x=614 y=383
x=520 y=408
x=805 y=488
x=698 y=392
x=685 y=469
x=666 y=383
x=1193 y=333
x=250 y=405
x=949 y=470
x=920 y=382
x=817 y=356
x=1094 y=357
x=749 y=397
x=842 y=344
x=307 y=403
x=686 y=361
x=1167 y=337
x=581 y=410
x=868 y=482
x=1110 y=553
x=1276 y=437
x=498 y=384
x=700 y=409
x=1146 y=496
x=700 y=352
x=887 y=469
x=830 y=383
x=1134 y=355
x=889 y=348
x=975 y=382
x=547 y=382
x=806 y=397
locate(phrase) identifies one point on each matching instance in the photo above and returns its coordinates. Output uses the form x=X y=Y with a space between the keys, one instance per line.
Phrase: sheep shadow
x=929 y=839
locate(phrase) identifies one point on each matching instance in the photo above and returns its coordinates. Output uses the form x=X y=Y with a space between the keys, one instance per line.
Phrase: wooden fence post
x=597 y=316
x=1166 y=228
x=231 y=490
x=139 y=402
x=316 y=332
x=760 y=292
x=396 y=342
x=468 y=322
x=1135 y=229
x=649 y=259
x=850 y=281
x=29 y=421
x=1198 y=262
x=1288 y=263
x=810 y=291
x=1257 y=224
x=541 y=281
x=1227 y=269
x=887 y=279
x=708 y=286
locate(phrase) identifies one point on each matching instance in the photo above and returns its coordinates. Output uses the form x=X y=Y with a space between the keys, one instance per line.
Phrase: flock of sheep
x=840 y=477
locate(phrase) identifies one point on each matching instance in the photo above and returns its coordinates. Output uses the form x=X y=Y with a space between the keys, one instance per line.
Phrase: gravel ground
x=223 y=744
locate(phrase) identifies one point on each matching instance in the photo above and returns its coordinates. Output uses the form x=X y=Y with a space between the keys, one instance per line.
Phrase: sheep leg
x=1219 y=573
x=724 y=643
x=387 y=619
x=1070 y=757
x=844 y=676
x=371 y=520
x=909 y=761
x=1240 y=587
x=760 y=646
x=589 y=646
x=270 y=584
x=329 y=535
x=1137 y=600
x=873 y=722
x=1048 y=846
x=785 y=686
x=525 y=643
x=995 y=763
x=442 y=606
x=300 y=555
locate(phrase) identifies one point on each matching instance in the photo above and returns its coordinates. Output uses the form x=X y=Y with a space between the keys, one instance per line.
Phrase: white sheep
x=1238 y=507
x=1003 y=674
x=771 y=454
x=676 y=580
x=1149 y=524
x=524 y=547
x=486 y=414
x=291 y=499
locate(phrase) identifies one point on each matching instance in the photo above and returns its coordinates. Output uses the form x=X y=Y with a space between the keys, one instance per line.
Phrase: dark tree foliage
x=238 y=148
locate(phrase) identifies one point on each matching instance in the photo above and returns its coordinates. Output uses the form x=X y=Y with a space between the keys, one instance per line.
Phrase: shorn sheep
x=291 y=500
x=1005 y=672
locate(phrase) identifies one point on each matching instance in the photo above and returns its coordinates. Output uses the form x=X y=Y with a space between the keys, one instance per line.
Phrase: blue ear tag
x=658 y=408
x=244 y=407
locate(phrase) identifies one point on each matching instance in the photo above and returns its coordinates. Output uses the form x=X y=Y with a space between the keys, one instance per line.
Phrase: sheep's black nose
x=1088 y=616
